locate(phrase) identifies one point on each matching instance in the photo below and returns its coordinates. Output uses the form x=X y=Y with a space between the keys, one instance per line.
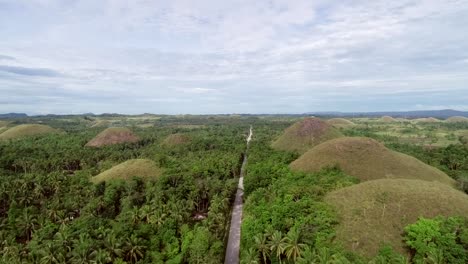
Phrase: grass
x=374 y=213
x=175 y=140
x=367 y=159
x=3 y=123
x=113 y=135
x=305 y=134
x=457 y=119
x=426 y=120
x=340 y=122
x=26 y=130
x=143 y=168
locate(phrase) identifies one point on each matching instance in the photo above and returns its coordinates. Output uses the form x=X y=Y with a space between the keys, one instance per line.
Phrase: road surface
x=233 y=245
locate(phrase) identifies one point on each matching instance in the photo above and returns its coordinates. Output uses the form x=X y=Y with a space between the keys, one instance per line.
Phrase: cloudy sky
x=233 y=56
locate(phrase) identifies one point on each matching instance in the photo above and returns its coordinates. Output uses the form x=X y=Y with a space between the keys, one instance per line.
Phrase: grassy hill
x=101 y=123
x=127 y=170
x=340 y=122
x=374 y=213
x=426 y=120
x=367 y=159
x=175 y=139
x=387 y=119
x=113 y=135
x=303 y=135
x=26 y=130
x=457 y=119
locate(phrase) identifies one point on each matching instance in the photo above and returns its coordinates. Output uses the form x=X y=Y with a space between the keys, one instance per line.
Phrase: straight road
x=233 y=245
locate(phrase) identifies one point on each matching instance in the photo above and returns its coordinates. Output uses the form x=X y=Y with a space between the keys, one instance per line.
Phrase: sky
x=232 y=56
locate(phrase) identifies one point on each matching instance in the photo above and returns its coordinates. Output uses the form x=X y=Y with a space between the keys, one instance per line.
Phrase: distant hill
x=13 y=115
x=406 y=114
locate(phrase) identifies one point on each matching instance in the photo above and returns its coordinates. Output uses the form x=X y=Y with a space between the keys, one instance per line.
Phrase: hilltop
x=113 y=135
x=374 y=213
x=367 y=159
x=388 y=119
x=303 y=135
x=340 y=122
x=143 y=168
x=26 y=130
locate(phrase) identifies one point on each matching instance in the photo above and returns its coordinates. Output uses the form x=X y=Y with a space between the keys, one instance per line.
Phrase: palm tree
x=113 y=245
x=250 y=257
x=277 y=244
x=134 y=248
x=293 y=246
x=262 y=246
x=100 y=256
x=27 y=223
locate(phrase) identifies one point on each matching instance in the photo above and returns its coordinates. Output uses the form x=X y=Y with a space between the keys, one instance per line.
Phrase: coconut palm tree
x=134 y=248
x=250 y=257
x=262 y=246
x=294 y=247
x=277 y=244
x=113 y=245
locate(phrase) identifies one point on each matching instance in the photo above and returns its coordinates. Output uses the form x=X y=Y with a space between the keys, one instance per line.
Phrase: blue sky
x=240 y=56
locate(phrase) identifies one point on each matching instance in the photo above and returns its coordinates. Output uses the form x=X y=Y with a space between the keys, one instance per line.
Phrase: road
x=233 y=245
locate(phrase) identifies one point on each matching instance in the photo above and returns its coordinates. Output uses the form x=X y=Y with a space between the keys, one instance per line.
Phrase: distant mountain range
x=13 y=115
x=405 y=114
x=445 y=113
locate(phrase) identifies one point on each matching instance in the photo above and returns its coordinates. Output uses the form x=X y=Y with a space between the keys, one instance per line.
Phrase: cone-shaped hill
x=387 y=119
x=457 y=119
x=340 y=122
x=143 y=168
x=113 y=135
x=175 y=140
x=374 y=213
x=303 y=135
x=26 y=130
x=367 y=159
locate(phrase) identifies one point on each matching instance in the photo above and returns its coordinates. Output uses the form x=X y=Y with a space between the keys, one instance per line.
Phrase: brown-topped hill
x=426 y=120
x=367 y=159
x=113 y=135
x=303 y=135
x=374 y=213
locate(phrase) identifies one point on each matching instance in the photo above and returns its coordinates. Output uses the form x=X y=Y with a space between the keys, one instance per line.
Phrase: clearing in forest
x=26 y=130
x=374 y=213
x=367 y=159
x=113 y=135
x=143 y=168
x=305 y=134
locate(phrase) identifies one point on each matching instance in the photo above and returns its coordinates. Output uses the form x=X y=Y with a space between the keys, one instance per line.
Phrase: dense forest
x=50 y=211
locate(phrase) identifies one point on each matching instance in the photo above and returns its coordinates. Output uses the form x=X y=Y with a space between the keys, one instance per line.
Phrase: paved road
x=233 y=245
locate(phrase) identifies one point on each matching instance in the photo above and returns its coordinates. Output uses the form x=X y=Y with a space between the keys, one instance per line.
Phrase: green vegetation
x=176 y=139
x=367 y=159
x=26 y=130
x=113 y=135
x=51 y=212
x=166 y=197
x=303 y=135
x=142 y=168
x=438 y=240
